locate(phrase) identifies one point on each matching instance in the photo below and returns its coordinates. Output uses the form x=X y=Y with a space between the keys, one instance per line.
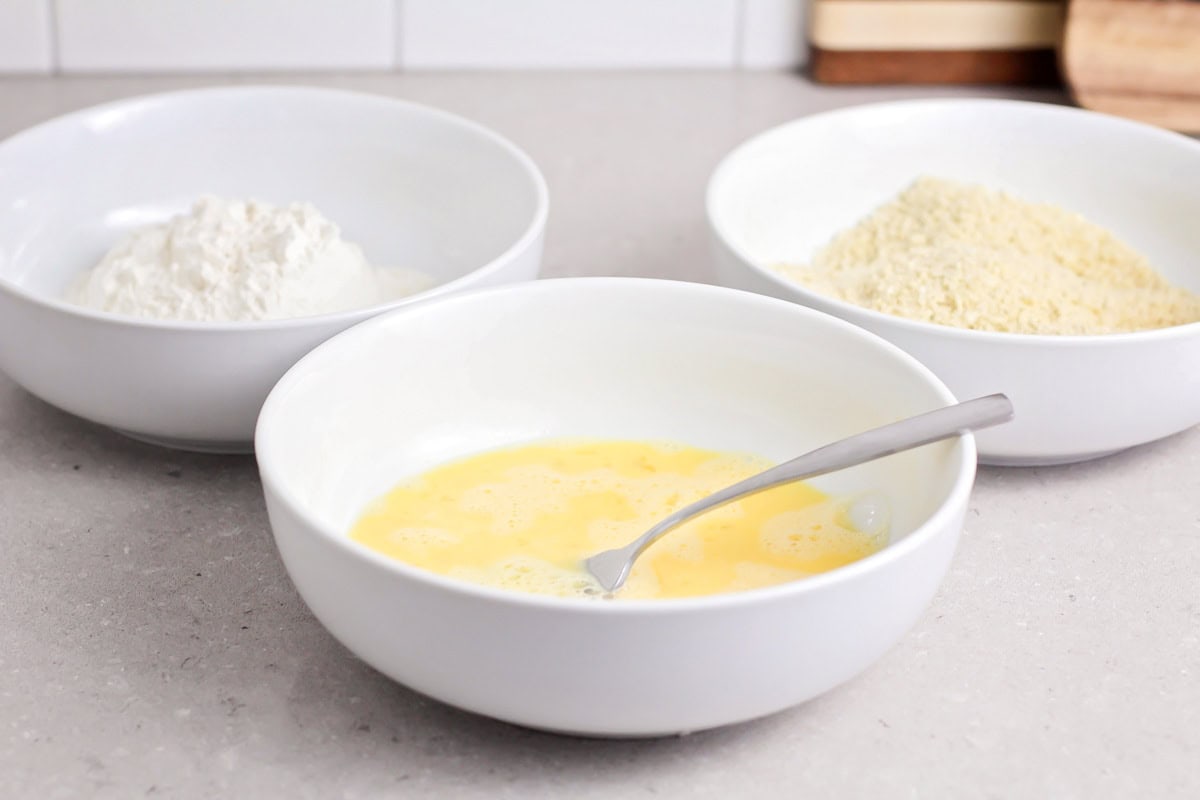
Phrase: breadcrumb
x=972 y=257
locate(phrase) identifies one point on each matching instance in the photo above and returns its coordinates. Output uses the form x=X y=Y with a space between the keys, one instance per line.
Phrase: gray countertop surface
x=152 y=645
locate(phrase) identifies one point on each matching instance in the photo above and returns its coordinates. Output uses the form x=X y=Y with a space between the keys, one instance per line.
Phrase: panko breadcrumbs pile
x=972 y=257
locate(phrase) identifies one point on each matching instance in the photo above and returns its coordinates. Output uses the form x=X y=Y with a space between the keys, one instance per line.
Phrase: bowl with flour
x=165 y=259
x=1042 y=251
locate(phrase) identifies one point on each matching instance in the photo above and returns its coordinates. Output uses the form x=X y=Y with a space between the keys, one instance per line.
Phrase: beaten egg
x=524 y=518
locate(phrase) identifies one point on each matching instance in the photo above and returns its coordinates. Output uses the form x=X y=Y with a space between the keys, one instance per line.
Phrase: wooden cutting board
x=1136 y=58
x=935 y=41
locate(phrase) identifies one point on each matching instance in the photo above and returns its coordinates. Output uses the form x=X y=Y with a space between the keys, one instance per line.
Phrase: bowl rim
x=920 y=536
x=728 y=165
x=532 y=231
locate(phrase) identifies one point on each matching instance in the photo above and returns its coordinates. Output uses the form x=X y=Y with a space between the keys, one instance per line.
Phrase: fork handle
x=982 y=412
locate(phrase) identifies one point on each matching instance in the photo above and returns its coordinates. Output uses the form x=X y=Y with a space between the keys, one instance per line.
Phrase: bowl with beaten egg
x=435 y=477
x=164 y=259
x=1043 y=251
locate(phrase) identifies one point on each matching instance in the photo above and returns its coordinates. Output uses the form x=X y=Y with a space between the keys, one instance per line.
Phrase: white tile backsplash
x=569 y=34
x=772 y=34
x=204 y=35
x=26 y=43
x=262 y=35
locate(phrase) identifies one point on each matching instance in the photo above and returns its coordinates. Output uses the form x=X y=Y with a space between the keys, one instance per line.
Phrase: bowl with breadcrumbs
x=1037 y=250
x=164 y=259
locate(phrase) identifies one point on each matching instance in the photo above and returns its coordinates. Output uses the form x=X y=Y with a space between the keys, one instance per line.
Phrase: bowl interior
x=613 y=358
x=784 y=194
x=415 y=187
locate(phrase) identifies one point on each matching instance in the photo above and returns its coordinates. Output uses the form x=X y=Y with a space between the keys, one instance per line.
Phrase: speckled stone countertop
x=151 y=644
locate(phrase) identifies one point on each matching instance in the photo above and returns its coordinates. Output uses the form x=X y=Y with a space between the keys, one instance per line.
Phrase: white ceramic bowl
x=603 y=357
x=782 y=195
x=414 y=186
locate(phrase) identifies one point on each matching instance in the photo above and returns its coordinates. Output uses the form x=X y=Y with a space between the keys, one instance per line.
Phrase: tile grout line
x=52 y=20
x=397 y=36
x=739 y=34
x=53 y=37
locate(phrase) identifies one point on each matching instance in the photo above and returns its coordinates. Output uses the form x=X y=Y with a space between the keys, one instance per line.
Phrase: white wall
x=89 y=36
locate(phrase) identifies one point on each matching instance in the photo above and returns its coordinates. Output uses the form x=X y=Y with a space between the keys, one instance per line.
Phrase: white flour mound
x=239 y=260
